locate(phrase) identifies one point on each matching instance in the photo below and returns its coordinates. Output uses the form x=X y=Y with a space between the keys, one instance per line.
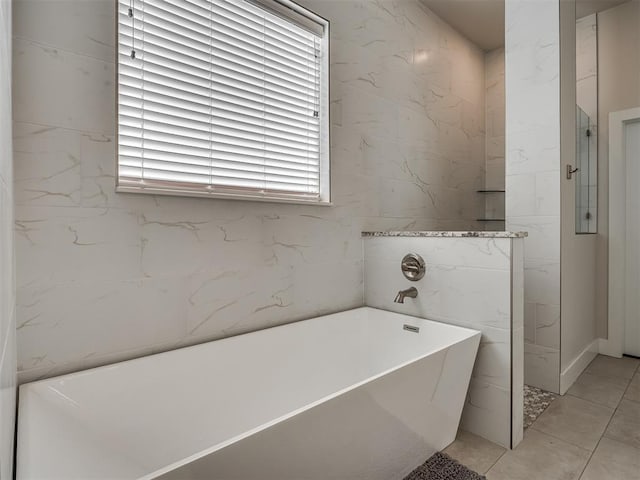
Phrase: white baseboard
x=573 y=371
x=607 y=347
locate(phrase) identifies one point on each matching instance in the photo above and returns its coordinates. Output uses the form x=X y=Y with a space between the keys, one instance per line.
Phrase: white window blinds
x=223 y=97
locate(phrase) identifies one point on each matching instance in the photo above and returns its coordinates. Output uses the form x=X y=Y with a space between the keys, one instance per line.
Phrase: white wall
x=532 y=166
x=7 y=280
x=474 y=283
x=103 y=277
x=618 y=89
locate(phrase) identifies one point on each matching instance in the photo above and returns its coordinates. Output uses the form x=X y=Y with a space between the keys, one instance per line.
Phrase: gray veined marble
x=453 y=234
x=471 y=281
x=171 y=268
x=8 y=347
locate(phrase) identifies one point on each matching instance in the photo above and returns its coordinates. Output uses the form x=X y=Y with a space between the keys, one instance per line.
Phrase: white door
x=631 y=152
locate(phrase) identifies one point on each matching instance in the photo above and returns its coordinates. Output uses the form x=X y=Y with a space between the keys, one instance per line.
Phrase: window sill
x=223 y=196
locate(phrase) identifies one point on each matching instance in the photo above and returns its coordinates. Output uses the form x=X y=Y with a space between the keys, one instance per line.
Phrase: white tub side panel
x=136 y=417
x=54 y=445
x=379 y=431
x=468 y=283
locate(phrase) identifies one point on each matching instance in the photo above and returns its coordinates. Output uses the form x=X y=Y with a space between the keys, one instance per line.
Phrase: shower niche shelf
x=494 y=206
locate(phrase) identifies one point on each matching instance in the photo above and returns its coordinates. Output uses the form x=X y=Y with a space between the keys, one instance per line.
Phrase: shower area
x=586 y=162
x=586 y=173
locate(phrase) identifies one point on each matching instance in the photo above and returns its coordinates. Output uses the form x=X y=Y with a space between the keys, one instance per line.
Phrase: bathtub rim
x=86 y=371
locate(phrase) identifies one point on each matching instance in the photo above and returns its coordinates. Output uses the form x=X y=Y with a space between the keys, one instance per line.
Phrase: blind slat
x=165 y=30
x=160 y=125
x=162 y=81
x=265 y=153
x=222 y=95
x=240 y=114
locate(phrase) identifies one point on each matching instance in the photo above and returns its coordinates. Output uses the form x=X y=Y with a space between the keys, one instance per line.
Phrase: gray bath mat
x=441 y=466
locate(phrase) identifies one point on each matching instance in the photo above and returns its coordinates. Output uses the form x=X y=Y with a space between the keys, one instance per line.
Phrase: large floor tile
x=625 y=424
x=614 y=461
x=474 y=452
x=575 y=421
x=623 y=367
x=629 y=408
x=598 y=389
x=633 y=391
x=540 y=457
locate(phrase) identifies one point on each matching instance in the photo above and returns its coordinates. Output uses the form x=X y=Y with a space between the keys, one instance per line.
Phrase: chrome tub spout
x=402 y=294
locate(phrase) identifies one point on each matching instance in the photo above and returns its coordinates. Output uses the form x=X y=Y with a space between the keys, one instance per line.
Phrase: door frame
x=614 y=344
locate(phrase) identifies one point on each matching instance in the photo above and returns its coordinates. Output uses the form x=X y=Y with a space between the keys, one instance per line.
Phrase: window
x=223 y=98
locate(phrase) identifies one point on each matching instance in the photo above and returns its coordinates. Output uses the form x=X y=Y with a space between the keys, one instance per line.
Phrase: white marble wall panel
x=532 y=166
x=517 y=340
x=541 y=366
x=470 y=282
x=7 y=259
x=76 y=92
x=93 y=38
x=105 y=276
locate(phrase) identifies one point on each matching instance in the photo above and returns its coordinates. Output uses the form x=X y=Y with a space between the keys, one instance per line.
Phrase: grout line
x=600 y=404
x=592 y=402
x=524 y=430
x=573 y=444
x=615 y=410
x=603 y=433
x=61 y=127
x=625 y=392
x=40 y=43
x=564 y=440
x=592 y=452
x=497 y=460
x=533 y=425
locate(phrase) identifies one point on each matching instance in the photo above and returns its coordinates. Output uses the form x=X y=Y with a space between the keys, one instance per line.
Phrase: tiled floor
x=591 y=433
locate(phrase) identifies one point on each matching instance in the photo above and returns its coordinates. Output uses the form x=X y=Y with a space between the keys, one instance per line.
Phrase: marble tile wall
x=532 y=170
x=103 y=277
x=474 y=283
x=494 y=143
x=7 y=276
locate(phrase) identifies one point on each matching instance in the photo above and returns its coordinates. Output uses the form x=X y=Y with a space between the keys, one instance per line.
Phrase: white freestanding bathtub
x=354 y=395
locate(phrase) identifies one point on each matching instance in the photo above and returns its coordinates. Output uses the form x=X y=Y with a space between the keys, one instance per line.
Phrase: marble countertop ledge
x=479 y=234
